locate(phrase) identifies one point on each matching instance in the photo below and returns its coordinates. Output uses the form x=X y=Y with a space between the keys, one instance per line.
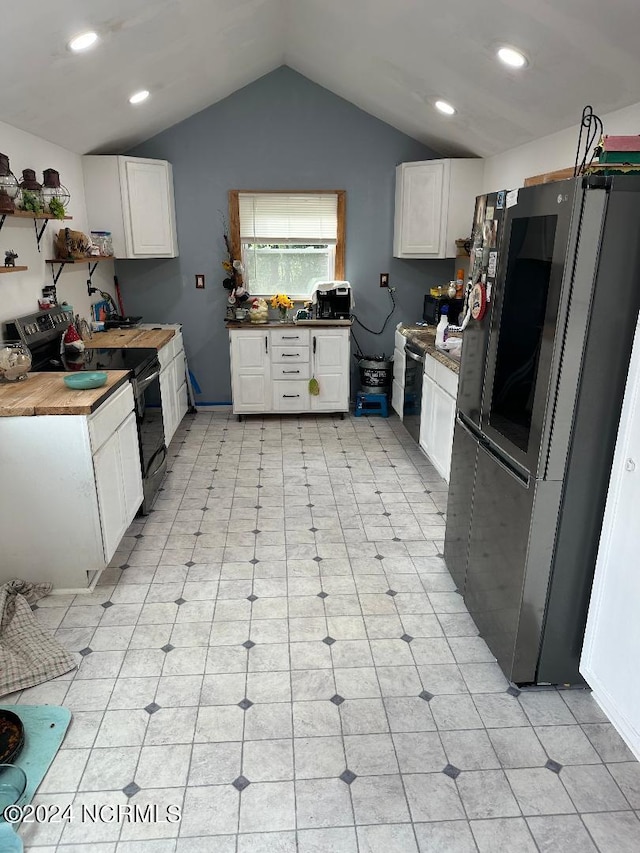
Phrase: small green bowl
x=84 y=381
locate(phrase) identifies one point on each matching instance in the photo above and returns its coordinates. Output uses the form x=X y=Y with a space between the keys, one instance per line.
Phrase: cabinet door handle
x=266 y=343
x=291 y=395
x=291 y=371
x=291 y=337
x=291 y=355
x=314 y=344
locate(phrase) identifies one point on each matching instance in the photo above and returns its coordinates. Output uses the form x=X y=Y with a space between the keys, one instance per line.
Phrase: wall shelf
x=36 y=217
x=13 y=269
x=92 y=261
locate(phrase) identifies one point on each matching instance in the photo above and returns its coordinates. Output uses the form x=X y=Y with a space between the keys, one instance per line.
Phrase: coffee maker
x=334 y=303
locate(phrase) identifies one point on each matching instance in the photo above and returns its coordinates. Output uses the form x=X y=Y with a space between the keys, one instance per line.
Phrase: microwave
x=433 y=304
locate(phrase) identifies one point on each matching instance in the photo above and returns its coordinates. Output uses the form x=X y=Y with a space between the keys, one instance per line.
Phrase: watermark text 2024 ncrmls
x=95 y=813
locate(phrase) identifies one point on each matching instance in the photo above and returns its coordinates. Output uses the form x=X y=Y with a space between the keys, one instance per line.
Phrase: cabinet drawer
x=299 y=370
x=292 y=396
x=290 y=355
x=446 y=379
x=290 y=337
x=108 y=417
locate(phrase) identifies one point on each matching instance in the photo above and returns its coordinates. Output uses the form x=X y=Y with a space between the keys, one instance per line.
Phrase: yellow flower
x=281 y=300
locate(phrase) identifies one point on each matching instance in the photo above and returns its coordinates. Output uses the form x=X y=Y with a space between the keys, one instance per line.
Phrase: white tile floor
x=279 y=650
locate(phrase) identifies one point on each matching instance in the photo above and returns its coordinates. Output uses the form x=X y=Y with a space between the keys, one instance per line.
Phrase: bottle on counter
x=442 y=327
x=460 y=284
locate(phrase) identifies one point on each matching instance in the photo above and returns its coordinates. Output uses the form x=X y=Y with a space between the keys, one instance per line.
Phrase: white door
x=397 y=399
x=330 y=366
x=420 y=216
x=168 y=395
x=130 y=467
x=444 y=414
x=180 y=386
x=612 y=639
x=149 y=213
x=437 y=421
x=111 y=499
x=250 y=373
x=427 y=412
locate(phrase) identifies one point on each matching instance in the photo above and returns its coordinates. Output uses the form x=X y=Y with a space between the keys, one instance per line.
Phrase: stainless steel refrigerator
x=539 y=400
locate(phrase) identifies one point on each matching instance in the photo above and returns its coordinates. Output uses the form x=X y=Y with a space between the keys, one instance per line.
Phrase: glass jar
x=104 y=243
x=15 y=361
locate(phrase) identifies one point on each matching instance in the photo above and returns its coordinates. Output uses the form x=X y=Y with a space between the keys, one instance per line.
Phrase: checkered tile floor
x=279 y=650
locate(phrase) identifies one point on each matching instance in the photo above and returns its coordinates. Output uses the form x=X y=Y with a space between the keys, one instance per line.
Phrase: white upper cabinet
x=133 y=198
x=434 y=206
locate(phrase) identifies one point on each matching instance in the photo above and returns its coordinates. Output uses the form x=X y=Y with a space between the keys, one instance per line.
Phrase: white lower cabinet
x=270 y=370
x=80 y=476
x=330 y=366
x=173 y=386
x=438 y=415
x=250 y=371
x=118 y=483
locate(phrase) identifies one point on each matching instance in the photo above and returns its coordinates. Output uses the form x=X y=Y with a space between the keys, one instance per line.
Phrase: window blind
x=282 y=218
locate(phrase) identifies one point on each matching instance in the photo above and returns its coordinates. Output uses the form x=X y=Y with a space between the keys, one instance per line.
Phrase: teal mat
x=44 y=729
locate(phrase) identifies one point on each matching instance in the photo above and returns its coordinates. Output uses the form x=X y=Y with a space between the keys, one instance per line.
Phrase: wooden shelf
x=13 y=269
x=27 y=214
x=90 y=259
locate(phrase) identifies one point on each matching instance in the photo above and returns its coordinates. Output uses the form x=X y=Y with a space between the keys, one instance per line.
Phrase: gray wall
x=281 y=132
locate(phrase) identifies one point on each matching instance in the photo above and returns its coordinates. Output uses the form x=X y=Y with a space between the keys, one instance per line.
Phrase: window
x=288 y=241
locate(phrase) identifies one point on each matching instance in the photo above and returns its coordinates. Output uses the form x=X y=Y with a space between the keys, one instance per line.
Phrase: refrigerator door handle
x=471 y=427
x=518 y=473
x=493 y=450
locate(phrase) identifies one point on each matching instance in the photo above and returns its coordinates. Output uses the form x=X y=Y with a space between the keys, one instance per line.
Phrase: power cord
x=386 y=320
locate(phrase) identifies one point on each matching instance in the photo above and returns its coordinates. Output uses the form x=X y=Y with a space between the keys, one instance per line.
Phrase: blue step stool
x=371 y=404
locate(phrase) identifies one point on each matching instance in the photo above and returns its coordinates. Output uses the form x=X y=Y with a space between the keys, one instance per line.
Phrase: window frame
x=234 y=228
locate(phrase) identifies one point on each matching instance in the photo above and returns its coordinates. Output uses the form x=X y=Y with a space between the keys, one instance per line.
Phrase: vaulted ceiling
x=392 y=58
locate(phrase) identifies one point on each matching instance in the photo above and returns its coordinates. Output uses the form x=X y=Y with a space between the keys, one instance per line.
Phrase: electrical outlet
x=200 y=281
x=384 y=279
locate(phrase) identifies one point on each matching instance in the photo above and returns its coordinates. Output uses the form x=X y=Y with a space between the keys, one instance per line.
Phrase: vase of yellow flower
x=282 y=302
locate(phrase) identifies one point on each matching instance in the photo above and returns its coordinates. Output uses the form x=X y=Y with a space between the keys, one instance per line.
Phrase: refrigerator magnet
x=478 y=301
x=493 y=264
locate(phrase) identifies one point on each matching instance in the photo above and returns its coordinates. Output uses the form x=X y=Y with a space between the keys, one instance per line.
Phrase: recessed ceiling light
x=512 y=57
x=445 y=108
x=83 y=41
x=139 y=97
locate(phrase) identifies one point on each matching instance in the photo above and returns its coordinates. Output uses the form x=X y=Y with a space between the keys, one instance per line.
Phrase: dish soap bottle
x=442 y=327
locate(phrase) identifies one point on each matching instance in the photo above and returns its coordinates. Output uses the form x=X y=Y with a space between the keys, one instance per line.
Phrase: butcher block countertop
x=425 y=338
x=46 y=394
x=131 y=338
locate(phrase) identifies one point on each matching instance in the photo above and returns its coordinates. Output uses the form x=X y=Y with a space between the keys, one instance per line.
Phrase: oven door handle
x=162 y=450
x=142 y=386
x=414 y=355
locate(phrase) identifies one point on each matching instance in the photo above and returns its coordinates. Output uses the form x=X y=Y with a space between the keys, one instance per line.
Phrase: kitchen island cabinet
x=75 y=487
x=271 y=367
